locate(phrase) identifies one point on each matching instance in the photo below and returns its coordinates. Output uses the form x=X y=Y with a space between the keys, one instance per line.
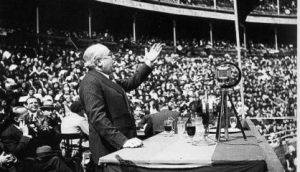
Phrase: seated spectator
x=48 y=125
x=75 y=121
x=43 y=125
x=146 y=125
x=15 y=137
x=289 y=162
x=49 y=160
x=155 y=122
x=32 y=106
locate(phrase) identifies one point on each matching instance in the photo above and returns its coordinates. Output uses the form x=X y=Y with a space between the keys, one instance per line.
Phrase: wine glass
x=233 y=122
x=191 y=131
x=168 y=126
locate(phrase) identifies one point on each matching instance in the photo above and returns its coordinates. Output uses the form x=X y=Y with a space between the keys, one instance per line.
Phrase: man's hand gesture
x=152 y=54
x=4 y=158
x=23 y=127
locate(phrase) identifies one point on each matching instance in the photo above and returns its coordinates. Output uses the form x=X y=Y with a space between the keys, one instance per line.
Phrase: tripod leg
x=237 y=118
x=219 y=125
x=226 y=117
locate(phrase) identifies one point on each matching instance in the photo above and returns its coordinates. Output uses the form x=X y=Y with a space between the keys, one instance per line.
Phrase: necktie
x=112 y=78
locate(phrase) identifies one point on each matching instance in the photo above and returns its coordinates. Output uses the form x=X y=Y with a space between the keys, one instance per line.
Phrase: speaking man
x=111 y=123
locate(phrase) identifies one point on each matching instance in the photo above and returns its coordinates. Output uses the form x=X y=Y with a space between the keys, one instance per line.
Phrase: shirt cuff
x=148 y=63
x=27 y=135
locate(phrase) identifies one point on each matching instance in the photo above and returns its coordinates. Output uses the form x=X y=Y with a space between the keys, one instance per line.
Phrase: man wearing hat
x=48 y=160
x=48 y=125
x=111 y=123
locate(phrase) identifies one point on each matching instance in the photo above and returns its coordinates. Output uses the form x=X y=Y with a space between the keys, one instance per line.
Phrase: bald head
x=93 y=53
x=19 y=112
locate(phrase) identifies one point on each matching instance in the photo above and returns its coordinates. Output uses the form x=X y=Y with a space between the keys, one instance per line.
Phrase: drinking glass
x=191 y=131
x=233 y=121
x=168 y=126
x=180 y=125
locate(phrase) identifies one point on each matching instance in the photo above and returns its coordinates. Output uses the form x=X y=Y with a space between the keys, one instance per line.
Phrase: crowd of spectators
x=275 y=130
x=287 y=7
x=270 y=6
x=53 y=73
x=270 y=80
x=105 y=36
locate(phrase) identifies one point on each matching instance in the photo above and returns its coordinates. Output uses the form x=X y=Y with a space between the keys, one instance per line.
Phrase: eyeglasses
x=110 y=56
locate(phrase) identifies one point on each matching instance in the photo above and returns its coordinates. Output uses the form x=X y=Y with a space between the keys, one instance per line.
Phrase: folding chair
x=71 y=147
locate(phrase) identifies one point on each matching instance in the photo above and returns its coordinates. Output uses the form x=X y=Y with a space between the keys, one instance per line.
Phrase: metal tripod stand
x=223 y=113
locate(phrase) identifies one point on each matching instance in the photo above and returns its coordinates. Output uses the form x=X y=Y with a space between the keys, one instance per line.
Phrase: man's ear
x=16 y=118
x=99 y=63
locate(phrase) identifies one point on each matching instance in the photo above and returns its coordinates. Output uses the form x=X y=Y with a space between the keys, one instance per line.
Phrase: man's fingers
x=137 y=142
x=154 y=46
x=133 y=143
x=158 y=46
x=7 y=156
x=20 y=124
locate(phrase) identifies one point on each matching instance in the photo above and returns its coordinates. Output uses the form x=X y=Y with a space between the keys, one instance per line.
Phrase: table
x=162 y=153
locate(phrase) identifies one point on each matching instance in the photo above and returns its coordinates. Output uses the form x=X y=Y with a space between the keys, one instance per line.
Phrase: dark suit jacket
x=158 y=119
x=13 y=141
x=110 y=119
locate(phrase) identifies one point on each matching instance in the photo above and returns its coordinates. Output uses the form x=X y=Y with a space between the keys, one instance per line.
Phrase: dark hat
x=76 y=107
x=47 y=105
x=44 y=151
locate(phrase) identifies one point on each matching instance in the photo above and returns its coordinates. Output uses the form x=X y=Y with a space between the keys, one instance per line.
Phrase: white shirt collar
x=164 y=108
x=107 y=76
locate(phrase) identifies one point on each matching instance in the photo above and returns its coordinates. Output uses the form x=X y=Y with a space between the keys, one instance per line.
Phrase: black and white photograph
x=149 y=85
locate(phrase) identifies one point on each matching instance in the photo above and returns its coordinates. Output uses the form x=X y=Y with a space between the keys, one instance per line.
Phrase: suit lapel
x=113 y=85
x=16 y=130
x=12 y=130
x=107 y=81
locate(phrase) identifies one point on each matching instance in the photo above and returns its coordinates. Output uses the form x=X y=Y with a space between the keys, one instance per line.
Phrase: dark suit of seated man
x=155 y=122
x=146 y=125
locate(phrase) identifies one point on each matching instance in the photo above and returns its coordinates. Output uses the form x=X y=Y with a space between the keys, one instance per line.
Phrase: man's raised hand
x=152 y=54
